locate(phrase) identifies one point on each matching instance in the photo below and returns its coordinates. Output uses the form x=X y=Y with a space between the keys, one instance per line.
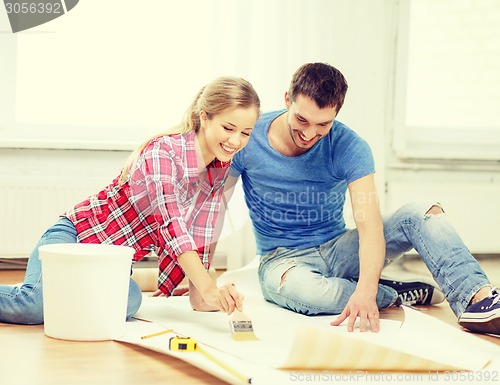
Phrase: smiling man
x=296 y=170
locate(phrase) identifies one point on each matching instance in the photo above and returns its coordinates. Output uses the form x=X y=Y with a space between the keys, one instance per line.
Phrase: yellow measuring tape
x=188 y=344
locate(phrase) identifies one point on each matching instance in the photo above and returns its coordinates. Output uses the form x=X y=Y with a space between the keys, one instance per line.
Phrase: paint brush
x=241 y=327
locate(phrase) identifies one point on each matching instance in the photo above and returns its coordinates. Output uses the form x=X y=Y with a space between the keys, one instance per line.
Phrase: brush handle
x=239 y=316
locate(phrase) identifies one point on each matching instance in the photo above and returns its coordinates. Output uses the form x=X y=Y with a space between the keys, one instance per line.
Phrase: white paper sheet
x=293 y=341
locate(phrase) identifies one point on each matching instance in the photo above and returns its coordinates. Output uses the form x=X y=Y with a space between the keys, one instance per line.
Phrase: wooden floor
x=31 y=358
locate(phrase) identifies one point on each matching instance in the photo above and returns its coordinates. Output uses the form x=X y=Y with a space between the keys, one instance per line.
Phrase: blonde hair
x=217 y=96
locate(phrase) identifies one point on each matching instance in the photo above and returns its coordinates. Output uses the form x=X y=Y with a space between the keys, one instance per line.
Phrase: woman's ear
x=203 y=117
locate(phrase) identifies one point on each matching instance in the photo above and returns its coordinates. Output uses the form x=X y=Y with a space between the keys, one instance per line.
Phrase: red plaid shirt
x=163 y=207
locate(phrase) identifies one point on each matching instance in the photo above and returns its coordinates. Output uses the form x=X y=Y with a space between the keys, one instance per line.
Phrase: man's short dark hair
x=321 y=82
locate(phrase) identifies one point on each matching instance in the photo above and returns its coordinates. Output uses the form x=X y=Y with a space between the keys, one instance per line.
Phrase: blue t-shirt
x=298 y=202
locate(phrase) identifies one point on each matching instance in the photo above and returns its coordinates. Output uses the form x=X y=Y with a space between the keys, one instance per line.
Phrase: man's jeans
x=320 y=280
x=24 y=305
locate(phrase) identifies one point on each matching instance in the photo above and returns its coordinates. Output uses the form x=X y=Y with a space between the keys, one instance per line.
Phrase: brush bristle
x=244 y=336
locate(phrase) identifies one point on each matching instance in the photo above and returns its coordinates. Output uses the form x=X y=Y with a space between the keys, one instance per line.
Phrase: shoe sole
x=480 y=326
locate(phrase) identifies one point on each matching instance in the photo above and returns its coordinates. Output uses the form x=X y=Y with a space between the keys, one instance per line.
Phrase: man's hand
x=363 y=306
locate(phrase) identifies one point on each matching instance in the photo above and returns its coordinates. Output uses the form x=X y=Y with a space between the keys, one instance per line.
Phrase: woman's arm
x=225 y=298
x=197 y=302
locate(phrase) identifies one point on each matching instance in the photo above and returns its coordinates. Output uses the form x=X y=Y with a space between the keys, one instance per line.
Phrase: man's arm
x=366 y=212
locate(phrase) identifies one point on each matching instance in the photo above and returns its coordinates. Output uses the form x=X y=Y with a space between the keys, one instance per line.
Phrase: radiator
x=29 y=206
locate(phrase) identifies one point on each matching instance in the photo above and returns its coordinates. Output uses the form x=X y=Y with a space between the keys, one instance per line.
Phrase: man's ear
x=288 y=102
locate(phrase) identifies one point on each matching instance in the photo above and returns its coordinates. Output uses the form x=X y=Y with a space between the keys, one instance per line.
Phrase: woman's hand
x=225 y=298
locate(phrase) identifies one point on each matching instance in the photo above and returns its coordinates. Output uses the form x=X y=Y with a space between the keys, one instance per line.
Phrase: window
x=102 y=76
x=447 y=93
x=109 y=73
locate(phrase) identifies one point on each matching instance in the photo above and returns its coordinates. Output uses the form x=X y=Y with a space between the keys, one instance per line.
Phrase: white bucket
x=85 y=290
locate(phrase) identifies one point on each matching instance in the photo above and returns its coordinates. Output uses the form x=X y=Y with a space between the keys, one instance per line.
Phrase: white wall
x=469 y=198
x=354 y=35
x=357 y=36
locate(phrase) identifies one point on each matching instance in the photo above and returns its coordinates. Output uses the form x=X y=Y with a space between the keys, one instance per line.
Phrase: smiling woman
x=166 y=200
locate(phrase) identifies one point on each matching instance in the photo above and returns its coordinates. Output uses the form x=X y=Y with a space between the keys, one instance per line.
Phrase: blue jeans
x=24 y=305
x=320 y=280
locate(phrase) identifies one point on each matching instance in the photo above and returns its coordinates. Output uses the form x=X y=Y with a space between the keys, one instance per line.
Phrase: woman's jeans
x=24 y=305
x=320 y=280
